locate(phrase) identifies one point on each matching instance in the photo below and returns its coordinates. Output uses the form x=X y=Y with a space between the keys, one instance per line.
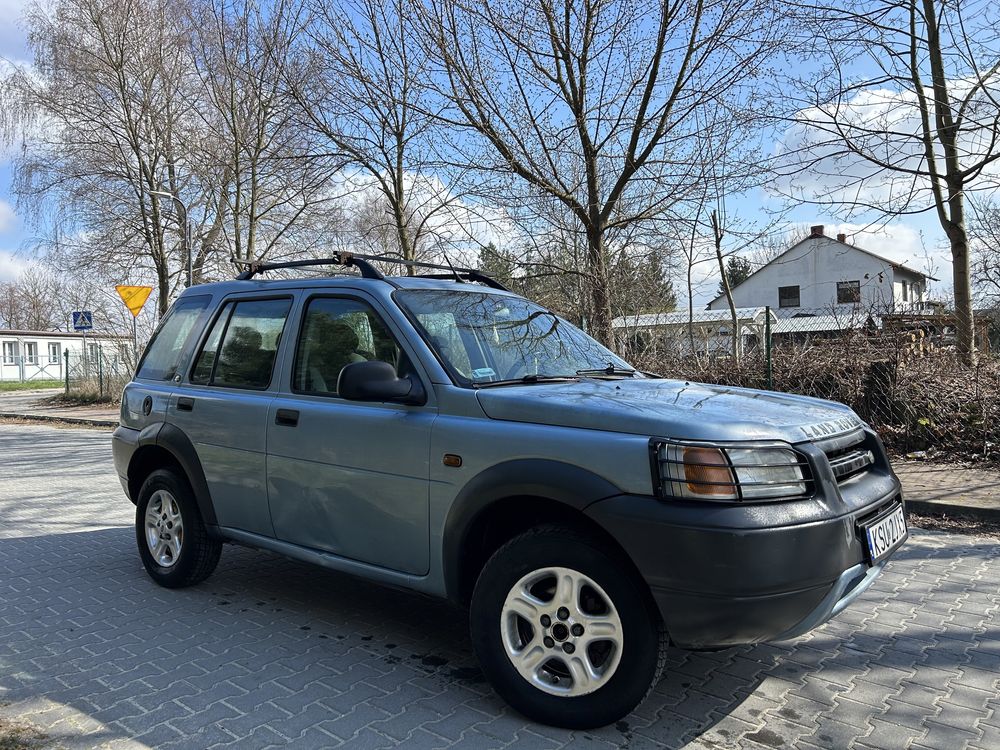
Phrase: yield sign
x=134 y=297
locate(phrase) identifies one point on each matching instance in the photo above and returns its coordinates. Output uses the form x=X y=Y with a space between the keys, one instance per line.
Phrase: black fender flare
x=171 y=439
x=561 y=482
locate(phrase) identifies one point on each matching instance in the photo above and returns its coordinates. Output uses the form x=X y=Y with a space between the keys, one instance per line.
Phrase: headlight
x=772 y=471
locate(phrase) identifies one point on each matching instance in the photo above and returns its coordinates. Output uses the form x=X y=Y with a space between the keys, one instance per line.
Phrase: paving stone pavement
x=272 y=653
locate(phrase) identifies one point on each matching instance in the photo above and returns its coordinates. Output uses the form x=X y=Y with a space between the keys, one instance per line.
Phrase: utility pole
x=182 y=211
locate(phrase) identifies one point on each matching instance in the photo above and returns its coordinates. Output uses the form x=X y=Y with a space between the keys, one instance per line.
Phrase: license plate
x=885 y=534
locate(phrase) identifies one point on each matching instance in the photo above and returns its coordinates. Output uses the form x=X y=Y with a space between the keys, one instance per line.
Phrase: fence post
x=767 y=348
x=66 y=369
x=100 y=371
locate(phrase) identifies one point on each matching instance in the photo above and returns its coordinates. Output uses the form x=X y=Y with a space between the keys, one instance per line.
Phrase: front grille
x=847 y=454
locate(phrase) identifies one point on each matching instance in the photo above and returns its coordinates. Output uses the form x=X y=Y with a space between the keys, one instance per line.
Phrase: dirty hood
x=669 y=408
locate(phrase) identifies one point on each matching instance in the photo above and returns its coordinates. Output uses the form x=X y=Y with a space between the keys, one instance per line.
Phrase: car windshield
x=488 y=338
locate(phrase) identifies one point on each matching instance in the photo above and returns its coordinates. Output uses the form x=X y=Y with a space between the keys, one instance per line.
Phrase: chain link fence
x=98 y=374
x=900 y=371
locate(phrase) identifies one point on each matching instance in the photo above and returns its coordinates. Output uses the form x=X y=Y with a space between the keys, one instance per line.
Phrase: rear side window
x=162 y=357
x=242 y=346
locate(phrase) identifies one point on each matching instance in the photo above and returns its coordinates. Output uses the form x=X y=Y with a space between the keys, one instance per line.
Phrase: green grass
x=29 y=385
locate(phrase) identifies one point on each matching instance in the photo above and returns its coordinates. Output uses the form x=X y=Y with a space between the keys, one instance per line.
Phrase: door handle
x=185 y=403
x=286 y=417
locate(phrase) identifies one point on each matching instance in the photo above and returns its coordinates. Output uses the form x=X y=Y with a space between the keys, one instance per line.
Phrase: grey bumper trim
x=851 y=584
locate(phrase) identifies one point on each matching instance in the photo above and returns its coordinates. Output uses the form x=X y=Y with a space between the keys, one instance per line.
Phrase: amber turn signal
x=707 y=472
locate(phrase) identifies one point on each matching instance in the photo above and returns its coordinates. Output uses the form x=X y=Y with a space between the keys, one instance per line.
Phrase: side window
x=205 y=364
x=243 y=344
x=335 y=333
x=163 y=354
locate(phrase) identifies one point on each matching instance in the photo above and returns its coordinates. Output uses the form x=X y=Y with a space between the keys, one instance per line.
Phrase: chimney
x=842 y=238
x=816 y=231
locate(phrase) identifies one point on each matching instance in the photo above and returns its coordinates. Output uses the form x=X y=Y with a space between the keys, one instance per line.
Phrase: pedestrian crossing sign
x=83 y=320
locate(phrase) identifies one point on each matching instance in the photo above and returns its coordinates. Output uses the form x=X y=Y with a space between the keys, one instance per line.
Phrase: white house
x=821 y=273
x=41 y=355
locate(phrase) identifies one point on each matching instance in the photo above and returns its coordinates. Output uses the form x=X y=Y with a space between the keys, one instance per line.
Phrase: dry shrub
x=916 y=401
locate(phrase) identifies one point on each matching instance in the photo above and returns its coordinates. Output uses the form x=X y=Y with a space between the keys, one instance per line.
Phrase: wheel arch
x=169 y=447
x=508 y=499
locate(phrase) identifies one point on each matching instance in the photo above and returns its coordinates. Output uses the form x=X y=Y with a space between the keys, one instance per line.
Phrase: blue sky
x=903 y=241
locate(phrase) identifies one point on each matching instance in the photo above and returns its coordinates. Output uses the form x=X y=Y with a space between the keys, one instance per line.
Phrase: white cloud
x=8 y=217
x=10 y=265
x=885 y=123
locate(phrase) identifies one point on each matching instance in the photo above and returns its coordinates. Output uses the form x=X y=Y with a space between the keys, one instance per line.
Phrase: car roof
x=345 y=281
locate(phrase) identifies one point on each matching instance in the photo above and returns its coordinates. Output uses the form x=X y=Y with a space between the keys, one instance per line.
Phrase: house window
x=30 y=353
x=93 y=351
x=54 y=353
x=788 y=296
x=906 y=291
x=10 y=352
x=848 y=292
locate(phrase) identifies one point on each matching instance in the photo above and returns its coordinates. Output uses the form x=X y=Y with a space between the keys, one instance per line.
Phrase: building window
x=54 y=353
x=788 y=296
x=93 y=351
x=848 y=292
x=30 y=353
x=10 y=352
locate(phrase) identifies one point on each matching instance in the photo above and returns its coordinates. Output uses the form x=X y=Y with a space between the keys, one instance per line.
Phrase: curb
x=87 y=421
x=955 y=510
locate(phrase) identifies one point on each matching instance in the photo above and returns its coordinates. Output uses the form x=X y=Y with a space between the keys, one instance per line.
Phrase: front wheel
x=564 y=630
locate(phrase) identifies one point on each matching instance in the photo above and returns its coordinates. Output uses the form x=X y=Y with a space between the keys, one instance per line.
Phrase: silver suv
x=443 y=434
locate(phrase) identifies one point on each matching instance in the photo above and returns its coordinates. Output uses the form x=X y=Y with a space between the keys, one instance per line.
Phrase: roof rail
x=368 y=271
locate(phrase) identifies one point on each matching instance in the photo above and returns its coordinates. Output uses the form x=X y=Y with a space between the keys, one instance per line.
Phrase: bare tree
x=985 y=235
x=269 y=184
x=27 y=302
x=362 y=89
x=594 y=103
x=101 y=117
x=920 y=132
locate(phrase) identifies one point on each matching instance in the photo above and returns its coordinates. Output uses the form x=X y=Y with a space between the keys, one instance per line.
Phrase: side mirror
x=377 y=381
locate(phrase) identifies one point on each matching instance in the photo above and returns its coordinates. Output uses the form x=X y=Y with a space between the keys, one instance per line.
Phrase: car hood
x=669 y=408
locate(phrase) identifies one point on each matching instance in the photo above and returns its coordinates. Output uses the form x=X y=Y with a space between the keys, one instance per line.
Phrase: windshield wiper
x=609 y=370
x=527 y=379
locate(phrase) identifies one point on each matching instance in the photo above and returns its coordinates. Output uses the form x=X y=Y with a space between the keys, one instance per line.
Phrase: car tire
x=540 y=656
x=174 y=545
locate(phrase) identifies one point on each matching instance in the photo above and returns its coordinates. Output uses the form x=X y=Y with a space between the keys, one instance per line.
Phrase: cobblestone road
x=269 y=652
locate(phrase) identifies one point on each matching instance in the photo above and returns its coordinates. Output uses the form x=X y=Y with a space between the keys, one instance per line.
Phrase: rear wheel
x=173 y=543
x=564 y=630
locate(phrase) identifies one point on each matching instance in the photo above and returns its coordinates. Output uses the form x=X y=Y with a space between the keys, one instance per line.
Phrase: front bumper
x=736 y=574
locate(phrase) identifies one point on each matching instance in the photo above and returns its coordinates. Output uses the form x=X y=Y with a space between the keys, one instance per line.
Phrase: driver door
x=348 y=477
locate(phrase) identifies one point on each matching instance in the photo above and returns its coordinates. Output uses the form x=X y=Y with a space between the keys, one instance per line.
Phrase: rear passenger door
x=223 y=406
x=348 y=477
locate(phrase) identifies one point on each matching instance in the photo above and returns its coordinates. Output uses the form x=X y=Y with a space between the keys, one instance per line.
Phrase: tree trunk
x=600 y=322
x=717 y=234
x=965 y=328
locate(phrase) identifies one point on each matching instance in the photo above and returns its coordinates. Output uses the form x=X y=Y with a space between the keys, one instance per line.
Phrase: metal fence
x=100 y=373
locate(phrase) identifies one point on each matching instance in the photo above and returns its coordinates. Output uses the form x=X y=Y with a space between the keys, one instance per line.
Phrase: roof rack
x=368 y=271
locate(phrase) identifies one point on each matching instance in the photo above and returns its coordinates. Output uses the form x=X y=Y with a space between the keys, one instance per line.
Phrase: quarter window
x=788 y=296
x=848 y=292
x=337 y=332
x=162 y=357
x=242 y=346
